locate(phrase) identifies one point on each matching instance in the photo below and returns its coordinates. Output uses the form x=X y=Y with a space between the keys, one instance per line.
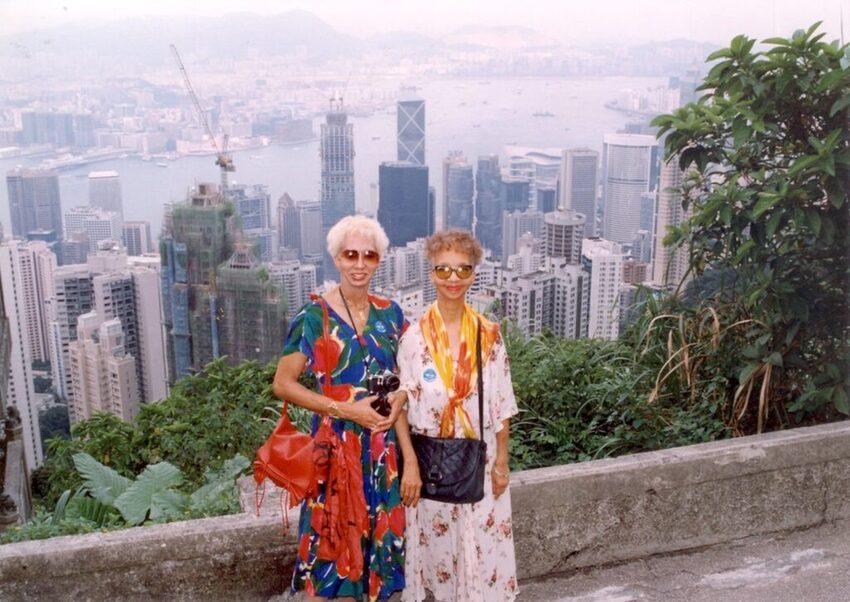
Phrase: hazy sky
x=625 y=20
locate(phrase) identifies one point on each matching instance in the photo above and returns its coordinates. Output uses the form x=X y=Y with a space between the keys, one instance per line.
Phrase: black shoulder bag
x=452 y=470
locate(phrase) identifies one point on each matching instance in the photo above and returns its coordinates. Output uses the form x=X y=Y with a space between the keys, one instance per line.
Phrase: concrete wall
x=565 y=517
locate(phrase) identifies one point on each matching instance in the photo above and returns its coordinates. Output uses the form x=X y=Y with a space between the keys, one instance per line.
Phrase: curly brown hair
x=460 y=241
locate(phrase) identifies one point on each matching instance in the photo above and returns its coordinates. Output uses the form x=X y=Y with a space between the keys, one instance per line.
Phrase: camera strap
x=360 y=339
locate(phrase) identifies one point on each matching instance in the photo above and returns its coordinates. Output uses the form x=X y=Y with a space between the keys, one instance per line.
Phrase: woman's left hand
x=500 y=475
x=397 y=400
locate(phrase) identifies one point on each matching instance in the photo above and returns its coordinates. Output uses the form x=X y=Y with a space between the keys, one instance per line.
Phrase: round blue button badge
x=430 y=375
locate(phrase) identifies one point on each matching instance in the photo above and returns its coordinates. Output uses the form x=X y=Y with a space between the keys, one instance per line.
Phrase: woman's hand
x=500 y=476
x=362 y=413
x=411 y=483
x=397 y=400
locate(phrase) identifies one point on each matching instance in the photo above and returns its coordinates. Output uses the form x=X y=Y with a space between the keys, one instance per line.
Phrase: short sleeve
x=499 y=392
x=303 y=331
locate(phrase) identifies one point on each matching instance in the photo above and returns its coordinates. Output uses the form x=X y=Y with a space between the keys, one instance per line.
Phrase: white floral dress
x=458 y=552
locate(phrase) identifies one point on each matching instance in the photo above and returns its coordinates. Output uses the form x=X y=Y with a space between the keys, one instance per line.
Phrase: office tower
x=603 y=260
x=629 y=171
x=73 y=297
x=197 y=237
x=337 y=193
x=103 y=375
x=540 y=167
x=579 y=185
x=405 y=208
x=670 y=264
x=97 y=224
x=310 y=233
x=253 y=206
x=38 y=127
x=34 y=201
x=151 y=368
x=641 y=249
x=547 y=197
x=488 y=208
x=250 y=309
x=410 y=118
x=295 y=280
x=75 y=248
x=137 y=238
x=288 y=225
x=16 y=275
x=517 y=223
x=563 y=231
x=514 y=191
x=458 y=192
x=105 y=191
x=634 y=271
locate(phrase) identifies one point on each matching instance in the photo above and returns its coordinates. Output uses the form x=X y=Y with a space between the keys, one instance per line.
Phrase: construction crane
x=222 y=158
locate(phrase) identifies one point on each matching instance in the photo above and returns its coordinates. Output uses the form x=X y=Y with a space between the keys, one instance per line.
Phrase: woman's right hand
x=362 y=413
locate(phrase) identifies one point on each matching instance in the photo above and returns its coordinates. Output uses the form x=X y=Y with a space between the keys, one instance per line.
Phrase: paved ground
x=801 y=566
x=812 y=565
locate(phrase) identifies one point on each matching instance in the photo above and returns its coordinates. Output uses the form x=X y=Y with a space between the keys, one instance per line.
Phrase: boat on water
x=543 y=114
x=161 y=164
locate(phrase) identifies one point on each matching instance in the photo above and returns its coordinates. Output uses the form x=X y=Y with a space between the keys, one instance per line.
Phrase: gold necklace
x=361 y=310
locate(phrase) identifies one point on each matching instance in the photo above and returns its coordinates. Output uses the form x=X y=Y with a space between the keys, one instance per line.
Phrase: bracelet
x=332 y=409
x=500 y=473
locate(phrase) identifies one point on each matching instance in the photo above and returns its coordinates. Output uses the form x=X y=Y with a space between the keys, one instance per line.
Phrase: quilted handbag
x=452 y=469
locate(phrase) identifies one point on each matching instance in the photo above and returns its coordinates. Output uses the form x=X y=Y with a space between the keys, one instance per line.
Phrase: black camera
x=381 y=385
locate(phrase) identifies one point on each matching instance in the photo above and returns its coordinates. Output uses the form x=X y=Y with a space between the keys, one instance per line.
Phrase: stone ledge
x=565 y=517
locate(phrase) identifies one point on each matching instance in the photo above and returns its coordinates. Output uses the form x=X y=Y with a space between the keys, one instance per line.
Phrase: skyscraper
x=197 y=238
x=458 y=192
x=515 y=191
x=105 y=191
x=98 y=224
x=337 y=154
x=310 y=232
x=517 y=223
x=629 y=171
x=73 y=297
x=563 y=231
x=579 y=185
x=488 y=208
x=34 y=201
x=288 y=225
x=670 y=264
x=410 y=119
x=405 y=208
x=540 y=167
x=603 y=260
x=137 y=238
x=253 y=206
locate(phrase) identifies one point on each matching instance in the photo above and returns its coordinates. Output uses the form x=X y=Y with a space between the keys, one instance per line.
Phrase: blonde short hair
x=357 y=225
x=461 y=241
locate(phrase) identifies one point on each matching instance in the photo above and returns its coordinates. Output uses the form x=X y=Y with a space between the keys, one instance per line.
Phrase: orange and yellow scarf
x=462 y=382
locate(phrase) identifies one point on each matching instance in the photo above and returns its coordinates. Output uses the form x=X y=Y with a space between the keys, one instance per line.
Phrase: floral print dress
x=382 y=543
x=458 y=552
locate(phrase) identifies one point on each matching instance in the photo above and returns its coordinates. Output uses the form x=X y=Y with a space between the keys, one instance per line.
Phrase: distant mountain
x=508 y=37
x=146 y=40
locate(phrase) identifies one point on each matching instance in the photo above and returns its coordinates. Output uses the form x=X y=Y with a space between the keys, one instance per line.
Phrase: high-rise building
x=670 y=265
x=547 y=196
x=98 y=224
x=250 y=309
x=253 y=206
x=296 y=280
x=488 y=208
x=515 y=193
x=629 y=163
x=18 y=285
x=197 y=237
x=34 y=201
x=579 y=185
x=540 y=167
x=310 y=233
x=105 y=191
x=73 y=297
x=603 y=260
x=288 y=224
x=137 y=238
x=458 y=192
x=410 y=119
x=103 y=374
x=337 y=154
x=563 y=232
x=517 y=223
x=406 y=207
x=41 y=127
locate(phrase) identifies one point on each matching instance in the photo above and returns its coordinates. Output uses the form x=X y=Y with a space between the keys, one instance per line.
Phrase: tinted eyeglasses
x=353 y=255
x=444 y=272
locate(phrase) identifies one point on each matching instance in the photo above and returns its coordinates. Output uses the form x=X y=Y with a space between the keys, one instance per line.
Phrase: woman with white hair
x=351 y=529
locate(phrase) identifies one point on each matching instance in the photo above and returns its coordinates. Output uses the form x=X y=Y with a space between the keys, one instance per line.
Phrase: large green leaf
x=168 y=505
x=135 y=503
x=90 y=509
x=104 y=483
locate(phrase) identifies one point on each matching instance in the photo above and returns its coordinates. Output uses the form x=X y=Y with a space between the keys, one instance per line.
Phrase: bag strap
x=326 y=336
x=480 y=382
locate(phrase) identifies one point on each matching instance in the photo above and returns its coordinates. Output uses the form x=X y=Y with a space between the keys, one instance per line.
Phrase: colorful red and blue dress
x=351 y=529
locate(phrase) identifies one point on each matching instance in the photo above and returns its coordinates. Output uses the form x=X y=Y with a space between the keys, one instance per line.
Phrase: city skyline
x=612 y=21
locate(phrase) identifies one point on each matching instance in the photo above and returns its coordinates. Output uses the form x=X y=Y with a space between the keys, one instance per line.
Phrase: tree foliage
x=770 y=144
